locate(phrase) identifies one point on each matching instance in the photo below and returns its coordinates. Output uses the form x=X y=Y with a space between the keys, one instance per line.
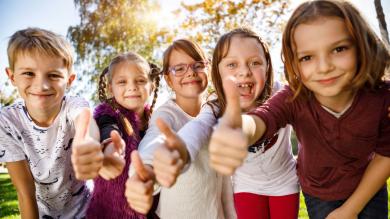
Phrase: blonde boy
x=36 y=134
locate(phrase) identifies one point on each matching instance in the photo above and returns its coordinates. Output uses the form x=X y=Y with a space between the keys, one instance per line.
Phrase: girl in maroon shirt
x=337 y=103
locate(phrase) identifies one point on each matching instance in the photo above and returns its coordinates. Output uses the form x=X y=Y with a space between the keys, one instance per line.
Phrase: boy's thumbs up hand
x=170 y=158
x=113 y=162
x=87 y=156
x=139 y=187
x=228 y=144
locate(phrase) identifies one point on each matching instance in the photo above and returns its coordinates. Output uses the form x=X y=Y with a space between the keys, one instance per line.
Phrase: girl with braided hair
x=124 y=88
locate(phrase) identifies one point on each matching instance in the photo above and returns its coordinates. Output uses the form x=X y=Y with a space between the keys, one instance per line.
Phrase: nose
x=325 y=64
x=41 y=83
x=244 y=71
x=132 y=86
x=190 y=72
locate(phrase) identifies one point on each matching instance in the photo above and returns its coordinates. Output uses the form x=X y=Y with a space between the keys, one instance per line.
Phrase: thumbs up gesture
x=113 y=161
x=87 y=156
x=139 y=187
x=170 y=158
x=228 y=143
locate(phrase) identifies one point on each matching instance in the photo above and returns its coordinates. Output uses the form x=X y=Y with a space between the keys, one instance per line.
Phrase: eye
x=179 y=68
x=141 y=81
x=121 y=82
x=255 y=63
x=340 y=49
x=231 y=65
x=199 y=65
x=28 y=73
x=55 y=76
x=305 y=58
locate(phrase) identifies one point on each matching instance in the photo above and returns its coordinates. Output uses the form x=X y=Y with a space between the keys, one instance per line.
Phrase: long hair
x=373 y=56
x=105 y=78
x=220 y=52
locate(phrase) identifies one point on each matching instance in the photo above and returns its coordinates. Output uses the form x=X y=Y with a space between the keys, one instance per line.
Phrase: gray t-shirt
x=48 y=151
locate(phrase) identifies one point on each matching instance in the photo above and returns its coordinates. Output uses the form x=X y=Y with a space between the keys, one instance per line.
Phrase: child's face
x=245 y=61
x=41 y=81
x=327 y=58
x=189 y=85
x=130 y=86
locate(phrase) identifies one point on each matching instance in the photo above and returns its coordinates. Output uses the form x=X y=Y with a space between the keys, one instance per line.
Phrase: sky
x=58 y=15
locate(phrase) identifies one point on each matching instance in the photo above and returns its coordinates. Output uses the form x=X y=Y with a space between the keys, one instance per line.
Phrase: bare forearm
x=375 y=176
x=28 y=206
x=253 y=127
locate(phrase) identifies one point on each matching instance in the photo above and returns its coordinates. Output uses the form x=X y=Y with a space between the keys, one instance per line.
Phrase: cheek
x=224 y=73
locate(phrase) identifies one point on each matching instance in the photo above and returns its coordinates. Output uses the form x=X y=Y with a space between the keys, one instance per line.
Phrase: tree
x=110 y=27
x=6 y=100
x=212 y=18
x=382 y=21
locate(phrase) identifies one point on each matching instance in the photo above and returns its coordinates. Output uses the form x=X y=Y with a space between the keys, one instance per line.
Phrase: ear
x=71 y=78
x=109 y=89
x=10 y=75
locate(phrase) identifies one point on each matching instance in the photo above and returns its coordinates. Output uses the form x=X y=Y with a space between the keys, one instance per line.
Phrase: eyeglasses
x=181 y=69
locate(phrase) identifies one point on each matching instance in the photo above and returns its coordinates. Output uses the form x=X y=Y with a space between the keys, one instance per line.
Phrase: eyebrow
x=344 y=40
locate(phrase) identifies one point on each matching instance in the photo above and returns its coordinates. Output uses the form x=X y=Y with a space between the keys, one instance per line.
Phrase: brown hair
x=106 y=77
x=36 y=40
x=373 y=56
x=189 y=47
x=220 y=52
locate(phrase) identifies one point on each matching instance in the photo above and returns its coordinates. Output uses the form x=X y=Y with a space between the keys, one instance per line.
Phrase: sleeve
x=383 y=144
x=74 y=105
x=153 y=137
x=197 y=132
x=107 y=124
x=11 y=145
x=276 y=112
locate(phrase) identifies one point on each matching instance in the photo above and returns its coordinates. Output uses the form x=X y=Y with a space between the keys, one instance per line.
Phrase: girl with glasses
x=197 y=192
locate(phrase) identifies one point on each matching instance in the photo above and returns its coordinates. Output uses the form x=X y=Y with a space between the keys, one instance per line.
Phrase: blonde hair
x=36 y=40
x=373 y=56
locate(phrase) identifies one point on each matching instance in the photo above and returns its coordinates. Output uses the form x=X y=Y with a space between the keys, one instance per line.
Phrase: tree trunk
x=382 y=21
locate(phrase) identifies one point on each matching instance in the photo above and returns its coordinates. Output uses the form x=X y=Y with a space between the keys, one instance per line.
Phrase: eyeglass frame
x=187 y=66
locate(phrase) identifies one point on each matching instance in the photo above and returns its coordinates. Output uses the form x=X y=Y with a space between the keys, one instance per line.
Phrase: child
x=197 y=192
x=334 y=65
x=267 y=180
x=129 y=80
x=36 y=134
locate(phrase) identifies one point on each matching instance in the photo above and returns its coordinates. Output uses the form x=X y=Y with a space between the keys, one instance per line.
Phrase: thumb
x=167 y=131
x=139 y=167
x=117 y=141
x=82 y=123
x=232 y=115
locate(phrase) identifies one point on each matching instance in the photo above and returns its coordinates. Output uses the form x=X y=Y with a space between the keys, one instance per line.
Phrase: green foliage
x=205 y=22
x=8 y=198
x=110 y=27
x=8 y=99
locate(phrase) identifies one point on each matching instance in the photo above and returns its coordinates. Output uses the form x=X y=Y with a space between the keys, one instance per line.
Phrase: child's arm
x=233 y=134
x=227 y=198
x=139 y=187
x=87 y=155
x=375 y=176
x=25 y=188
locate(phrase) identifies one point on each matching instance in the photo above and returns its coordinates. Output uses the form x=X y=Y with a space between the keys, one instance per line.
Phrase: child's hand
x=169 y=159
x=113 y=162
x=139 y=187
x=341 y=213
x=87 y=155
x=228 y=144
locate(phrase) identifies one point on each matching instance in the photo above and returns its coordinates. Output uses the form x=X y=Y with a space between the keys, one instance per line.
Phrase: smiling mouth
x=191 y=82
x=328 y=80
x=245 y=89
x=133 y=97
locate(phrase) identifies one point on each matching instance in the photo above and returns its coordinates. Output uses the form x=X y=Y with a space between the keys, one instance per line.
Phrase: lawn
x=9 y=203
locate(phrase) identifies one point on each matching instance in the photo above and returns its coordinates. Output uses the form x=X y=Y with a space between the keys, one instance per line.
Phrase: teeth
x=245 y=85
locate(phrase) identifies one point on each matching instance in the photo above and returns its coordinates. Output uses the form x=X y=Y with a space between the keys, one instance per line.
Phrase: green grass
x=8 y=199
x=9 y=203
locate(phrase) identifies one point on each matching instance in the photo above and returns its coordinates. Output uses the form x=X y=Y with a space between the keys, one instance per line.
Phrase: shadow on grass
x=8 y=198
